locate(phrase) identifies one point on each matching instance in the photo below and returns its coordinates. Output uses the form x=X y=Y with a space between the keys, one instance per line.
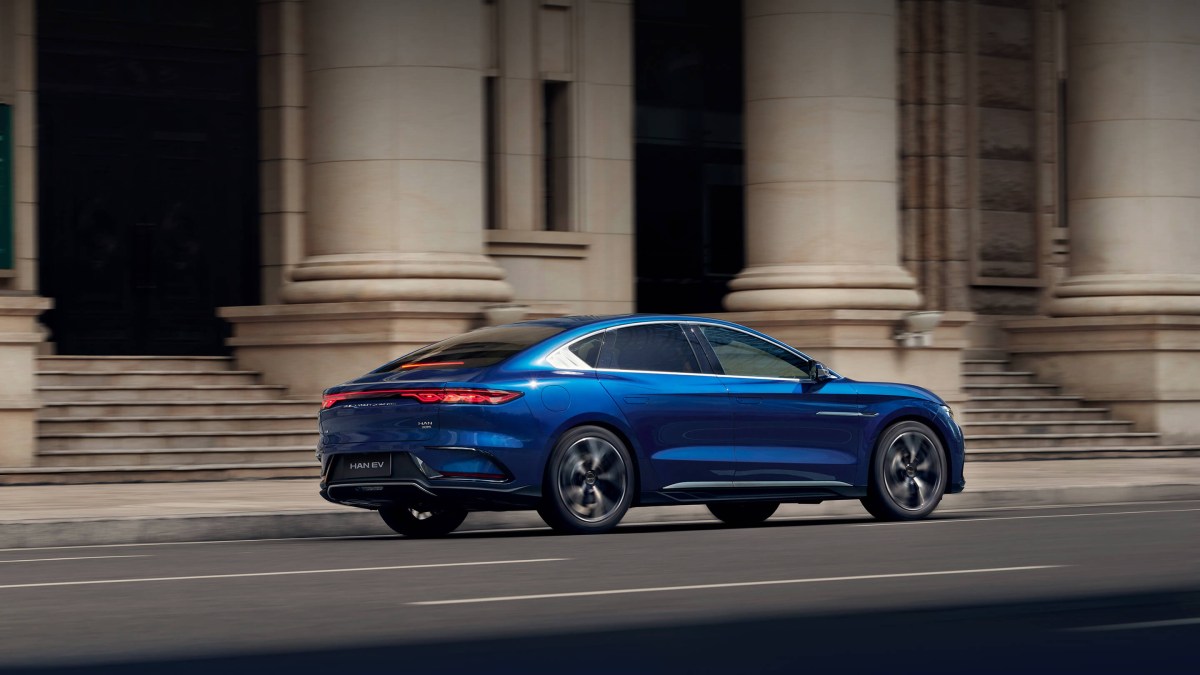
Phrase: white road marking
x=1057 y=515
x=86 y=557
x=1134 y=626
x=738 y=584
x=94 y=582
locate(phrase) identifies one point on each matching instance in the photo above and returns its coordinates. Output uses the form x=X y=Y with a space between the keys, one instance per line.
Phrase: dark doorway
x=689 y=180
x=147 y=151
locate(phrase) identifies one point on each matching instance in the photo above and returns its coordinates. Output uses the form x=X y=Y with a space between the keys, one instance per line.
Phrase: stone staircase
x=128 y=419
x=1009 y=416
x=131 y=419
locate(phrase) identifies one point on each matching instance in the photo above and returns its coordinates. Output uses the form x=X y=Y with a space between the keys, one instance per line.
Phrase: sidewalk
x=73 y=515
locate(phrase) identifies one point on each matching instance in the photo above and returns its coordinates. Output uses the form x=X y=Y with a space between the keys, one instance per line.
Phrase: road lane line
x=738 y=584
x=94 y=582
x=86 y=557
x=1057 y=515
x=1135 y=626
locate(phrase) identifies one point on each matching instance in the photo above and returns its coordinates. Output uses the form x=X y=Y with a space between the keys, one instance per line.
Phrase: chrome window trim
x=653 y=372
x=689 y=322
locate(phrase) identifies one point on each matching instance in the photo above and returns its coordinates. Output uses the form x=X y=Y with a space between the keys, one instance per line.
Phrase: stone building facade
x=816 y=168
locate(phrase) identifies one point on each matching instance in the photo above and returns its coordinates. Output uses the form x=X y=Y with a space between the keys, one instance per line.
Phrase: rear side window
x=477 y=349
x=656 y=347
x=588 y=349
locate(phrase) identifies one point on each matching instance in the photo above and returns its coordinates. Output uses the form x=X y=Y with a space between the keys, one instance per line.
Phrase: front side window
x=744 y=355
x=656 y=347
x=477 y=349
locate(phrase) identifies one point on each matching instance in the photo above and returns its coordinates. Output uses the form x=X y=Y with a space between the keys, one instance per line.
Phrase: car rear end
x=429 y=427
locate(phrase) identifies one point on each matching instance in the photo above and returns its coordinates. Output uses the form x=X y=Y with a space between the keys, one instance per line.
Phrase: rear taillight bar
x=469 y=396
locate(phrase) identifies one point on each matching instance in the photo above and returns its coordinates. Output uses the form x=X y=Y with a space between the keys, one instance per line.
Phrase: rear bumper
x=408 y=485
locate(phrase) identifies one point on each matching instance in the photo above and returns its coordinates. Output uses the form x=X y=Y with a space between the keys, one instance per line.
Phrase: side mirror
x=820 y=373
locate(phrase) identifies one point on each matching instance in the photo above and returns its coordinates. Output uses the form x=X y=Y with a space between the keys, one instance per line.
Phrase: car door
x=788 y=429
x=678 y=410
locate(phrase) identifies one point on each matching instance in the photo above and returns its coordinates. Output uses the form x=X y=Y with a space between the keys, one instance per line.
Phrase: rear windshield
x=477 y=349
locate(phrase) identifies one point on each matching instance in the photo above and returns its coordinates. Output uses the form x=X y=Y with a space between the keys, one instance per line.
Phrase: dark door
x=147 y=141
x=689 y=158
x=789 y=430
x=679 y=414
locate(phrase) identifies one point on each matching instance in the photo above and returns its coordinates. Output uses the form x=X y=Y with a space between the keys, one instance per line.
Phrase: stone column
x=1125 y=324
x=1133 y=184
x=822 y=225
x=395 y=154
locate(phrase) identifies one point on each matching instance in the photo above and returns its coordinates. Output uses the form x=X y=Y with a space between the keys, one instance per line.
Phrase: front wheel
x=421 y=522
x=743 y=514
x=589 y=482
x=908 y=473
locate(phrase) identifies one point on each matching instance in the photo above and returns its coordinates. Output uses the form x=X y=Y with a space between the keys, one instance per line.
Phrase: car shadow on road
x=1066 y=634
x=634 y=529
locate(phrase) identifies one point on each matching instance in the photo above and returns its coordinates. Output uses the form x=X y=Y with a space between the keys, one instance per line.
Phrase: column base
x=788 y=287
x=861 y=344
x=20 y=336
x=1146 y=368
x=1108 y=294
x=310 y=347
x=433 y=277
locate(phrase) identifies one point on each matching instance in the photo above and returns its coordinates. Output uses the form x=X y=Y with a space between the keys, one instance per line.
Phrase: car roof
x=578 y=321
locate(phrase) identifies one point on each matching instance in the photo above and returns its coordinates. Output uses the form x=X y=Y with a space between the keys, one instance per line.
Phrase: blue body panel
x=698 y=428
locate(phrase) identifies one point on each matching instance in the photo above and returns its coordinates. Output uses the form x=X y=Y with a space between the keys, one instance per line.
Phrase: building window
x=556 y=155
x=491 y=158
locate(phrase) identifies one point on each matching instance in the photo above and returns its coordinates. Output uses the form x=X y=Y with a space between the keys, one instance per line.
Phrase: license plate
x=367 y=466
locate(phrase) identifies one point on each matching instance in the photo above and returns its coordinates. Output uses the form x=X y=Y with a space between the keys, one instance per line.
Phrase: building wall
x=18 y=89
x=981 y=151
x=574 y=255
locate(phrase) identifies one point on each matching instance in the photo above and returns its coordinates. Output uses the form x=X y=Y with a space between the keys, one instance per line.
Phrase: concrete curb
x=292 y=524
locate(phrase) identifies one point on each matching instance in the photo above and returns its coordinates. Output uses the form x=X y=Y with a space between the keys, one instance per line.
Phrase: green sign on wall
x=6 y=188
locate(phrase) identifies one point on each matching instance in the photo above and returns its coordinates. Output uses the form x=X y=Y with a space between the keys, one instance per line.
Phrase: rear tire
x=422 y=522
x=743 y=514
x=908 y=473
x=589 y=482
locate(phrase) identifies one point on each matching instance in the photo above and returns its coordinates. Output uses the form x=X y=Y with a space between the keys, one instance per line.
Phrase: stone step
x=297 y=454
x=1060 y=440
x=142 y=378
x=1027 y=427
x=159 y=474
x=178 y=392
x=1012 y=402
x=985 y=365
x=168 y=441
x=1009 y=377
x=68 y=409
x=974 y=390
x=973 y=415
x=178 y=423
x=124 y=363
x=1013 y=454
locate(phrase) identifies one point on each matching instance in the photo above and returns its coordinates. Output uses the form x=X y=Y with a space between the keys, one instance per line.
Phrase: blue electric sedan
x=584 y=417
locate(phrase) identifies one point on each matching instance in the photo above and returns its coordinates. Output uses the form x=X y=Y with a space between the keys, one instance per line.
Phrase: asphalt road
x=1112 y=588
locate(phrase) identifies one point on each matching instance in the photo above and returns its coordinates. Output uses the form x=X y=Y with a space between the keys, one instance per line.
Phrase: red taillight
x=472 y=396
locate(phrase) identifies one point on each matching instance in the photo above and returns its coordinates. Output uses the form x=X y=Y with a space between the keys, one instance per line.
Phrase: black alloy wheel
x=908 y=473
x=743 y=514
x=420 y=522
x=589 y=482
